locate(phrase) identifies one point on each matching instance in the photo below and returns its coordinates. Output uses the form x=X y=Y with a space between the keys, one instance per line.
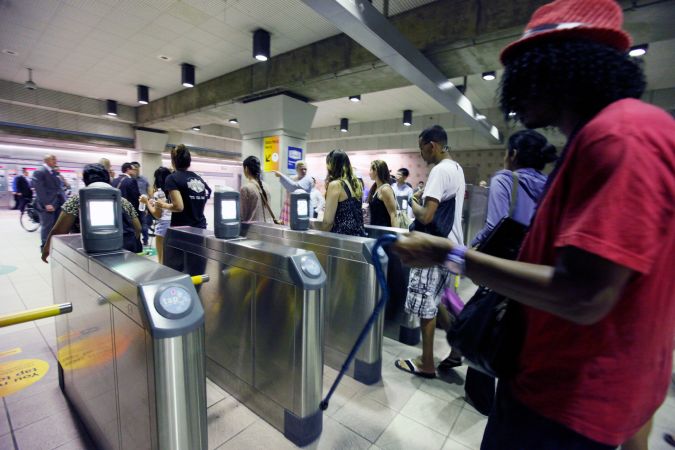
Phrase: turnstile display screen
x=303 y=208
x=228 y=209
x=101 y=213
x=173 y=302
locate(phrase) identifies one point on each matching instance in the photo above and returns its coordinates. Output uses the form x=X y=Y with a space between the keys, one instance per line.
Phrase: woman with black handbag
x=514 y=193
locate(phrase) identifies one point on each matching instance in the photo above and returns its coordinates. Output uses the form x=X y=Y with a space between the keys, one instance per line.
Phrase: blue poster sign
x=294 y=155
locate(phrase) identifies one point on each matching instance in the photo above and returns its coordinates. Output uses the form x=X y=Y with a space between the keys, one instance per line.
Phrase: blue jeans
x=513 y=426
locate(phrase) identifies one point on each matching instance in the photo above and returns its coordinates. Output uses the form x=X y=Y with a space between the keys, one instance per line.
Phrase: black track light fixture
x=143 y=94
x=344 y=125
x=196 y=128
x=187 y=75
x=407 y=117
x=489 y=76
x=638 y=50
x=261 y=45
x=233 y=121
x=355 y=98
x=111 y=107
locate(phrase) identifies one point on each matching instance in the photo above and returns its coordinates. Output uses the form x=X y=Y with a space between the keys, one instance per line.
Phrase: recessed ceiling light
x=196 y=128
x=638 y=50
x=164 y=58
x=512 y=114
x=489 y=76
x=9 y=52
x=233 y=120
x=355 y=98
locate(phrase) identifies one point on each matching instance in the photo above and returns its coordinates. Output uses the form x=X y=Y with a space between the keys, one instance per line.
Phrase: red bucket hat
x=596 y=20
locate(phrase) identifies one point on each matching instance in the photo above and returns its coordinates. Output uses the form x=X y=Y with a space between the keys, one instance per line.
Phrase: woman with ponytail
x=255 y=196
x=343 y=197
x=527 y=154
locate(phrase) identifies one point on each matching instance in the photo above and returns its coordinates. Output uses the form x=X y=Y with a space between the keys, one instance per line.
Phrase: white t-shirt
x=405 y=191
x=446 y=180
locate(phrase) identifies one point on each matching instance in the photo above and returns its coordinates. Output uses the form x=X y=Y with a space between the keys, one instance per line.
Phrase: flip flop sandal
x=407 y=365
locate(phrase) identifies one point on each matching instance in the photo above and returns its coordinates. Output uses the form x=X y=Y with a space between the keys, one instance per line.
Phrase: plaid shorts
x=425 y=288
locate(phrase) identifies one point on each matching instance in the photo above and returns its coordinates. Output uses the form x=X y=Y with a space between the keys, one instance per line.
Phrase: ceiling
x=103 y=48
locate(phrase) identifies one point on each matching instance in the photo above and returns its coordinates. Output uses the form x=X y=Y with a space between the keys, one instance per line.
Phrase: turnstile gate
x=352 y=292
x=131 y=353
x=264 y=324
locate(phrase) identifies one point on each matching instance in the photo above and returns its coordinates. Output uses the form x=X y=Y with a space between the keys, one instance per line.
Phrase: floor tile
x=214 y=393
x=407 y=434
x=49 y=433
x=227 y=418
x=433 y=412
x=336 y=436
x=469 y=428
x=49 y=403
x=366 y=417
x=451 y=444
x=259 y=436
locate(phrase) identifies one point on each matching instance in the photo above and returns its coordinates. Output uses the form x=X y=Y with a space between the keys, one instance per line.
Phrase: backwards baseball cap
x=595 y=20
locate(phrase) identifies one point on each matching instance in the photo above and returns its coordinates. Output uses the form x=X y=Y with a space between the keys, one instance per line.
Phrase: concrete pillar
x=150 y=145
x=281 y=117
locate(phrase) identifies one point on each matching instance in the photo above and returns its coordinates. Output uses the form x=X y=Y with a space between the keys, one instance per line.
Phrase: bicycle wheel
x=30 y=220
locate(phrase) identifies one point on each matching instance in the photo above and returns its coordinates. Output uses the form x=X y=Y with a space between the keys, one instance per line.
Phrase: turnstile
x=264 y=324
x=131 y=353
x=475 y=211
x=352 y=292
x=397 y=324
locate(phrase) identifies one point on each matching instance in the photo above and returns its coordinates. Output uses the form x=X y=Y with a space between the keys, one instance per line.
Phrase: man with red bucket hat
x=595 y=278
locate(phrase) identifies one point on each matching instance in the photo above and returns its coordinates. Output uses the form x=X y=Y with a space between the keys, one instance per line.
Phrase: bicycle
x=29 y=218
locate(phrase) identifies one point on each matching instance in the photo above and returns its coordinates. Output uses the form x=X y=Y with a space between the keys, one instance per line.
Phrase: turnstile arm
x=35 y=314
x=199 y=279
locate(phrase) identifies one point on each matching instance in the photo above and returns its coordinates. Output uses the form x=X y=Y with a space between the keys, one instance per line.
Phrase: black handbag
x=489 y=331
x=441 y=224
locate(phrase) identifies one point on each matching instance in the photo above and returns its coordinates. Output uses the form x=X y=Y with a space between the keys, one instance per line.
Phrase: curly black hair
x=578 y=75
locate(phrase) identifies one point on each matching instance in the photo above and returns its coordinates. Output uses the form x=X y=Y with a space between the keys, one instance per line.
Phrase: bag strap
x=266 y=205
x=514 y=192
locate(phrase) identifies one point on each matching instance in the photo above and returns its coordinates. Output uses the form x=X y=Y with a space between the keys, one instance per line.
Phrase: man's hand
x=276 y=173
x=45 y=255
x=49 y=208
x=421 y=249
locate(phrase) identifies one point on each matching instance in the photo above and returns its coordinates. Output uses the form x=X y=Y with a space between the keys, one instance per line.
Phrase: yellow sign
x=14 y=351
x=21 y=373
x=271 y=154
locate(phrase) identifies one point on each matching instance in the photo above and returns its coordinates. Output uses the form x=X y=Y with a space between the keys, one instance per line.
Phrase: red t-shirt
x=614 y=197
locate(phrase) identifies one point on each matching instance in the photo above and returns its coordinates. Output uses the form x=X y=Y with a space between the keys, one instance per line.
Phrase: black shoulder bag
x=490 y=329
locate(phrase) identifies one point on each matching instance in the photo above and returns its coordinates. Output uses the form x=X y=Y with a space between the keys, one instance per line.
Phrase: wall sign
x=294 y=155
x=270 y=153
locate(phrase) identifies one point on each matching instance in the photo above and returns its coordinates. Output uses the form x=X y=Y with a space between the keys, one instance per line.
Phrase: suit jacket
x=129 y=189
x=47 y=188
x=23 y=187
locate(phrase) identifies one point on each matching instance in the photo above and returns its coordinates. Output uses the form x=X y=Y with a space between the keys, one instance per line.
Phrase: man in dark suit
x=50 y=196
x=23 y=190
x=126 y=183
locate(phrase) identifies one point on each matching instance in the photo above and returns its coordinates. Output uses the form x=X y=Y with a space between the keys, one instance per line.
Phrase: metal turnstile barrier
x=397 y=324
x=131 y=353
x=475 y=211
x=351 y=293
x=264 y=324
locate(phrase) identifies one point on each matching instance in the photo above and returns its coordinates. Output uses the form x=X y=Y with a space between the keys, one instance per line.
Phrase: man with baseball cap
x=595 y=278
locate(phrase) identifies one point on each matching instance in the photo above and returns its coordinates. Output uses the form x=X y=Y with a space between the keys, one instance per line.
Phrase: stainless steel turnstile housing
x=352 y=292
x=135 y=376
x=264 y=324
x=397 y=324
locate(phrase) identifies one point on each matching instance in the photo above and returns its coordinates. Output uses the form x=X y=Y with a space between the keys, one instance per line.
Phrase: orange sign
x=21 y=373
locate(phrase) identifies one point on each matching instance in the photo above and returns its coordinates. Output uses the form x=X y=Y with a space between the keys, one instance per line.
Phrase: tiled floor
x=401 y=412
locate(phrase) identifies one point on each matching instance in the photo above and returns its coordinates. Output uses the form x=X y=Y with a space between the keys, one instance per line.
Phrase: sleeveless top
x=378 y=211
x=348 y=215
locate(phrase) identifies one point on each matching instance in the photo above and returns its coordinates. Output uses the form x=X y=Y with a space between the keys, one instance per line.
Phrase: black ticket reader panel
x=101 y=219
x=226 y=215
x=300 y=210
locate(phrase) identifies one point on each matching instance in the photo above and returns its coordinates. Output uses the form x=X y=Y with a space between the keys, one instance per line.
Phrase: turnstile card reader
x=131 y=353
x=226 y=214
x=101 y=218
x=300 y=210
x=264 y=307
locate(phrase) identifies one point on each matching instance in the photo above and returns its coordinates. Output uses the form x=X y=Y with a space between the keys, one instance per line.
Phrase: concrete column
x=285 y=117
x=149 y=148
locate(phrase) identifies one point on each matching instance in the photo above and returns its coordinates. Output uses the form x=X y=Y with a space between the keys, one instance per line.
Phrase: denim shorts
x=161 y=227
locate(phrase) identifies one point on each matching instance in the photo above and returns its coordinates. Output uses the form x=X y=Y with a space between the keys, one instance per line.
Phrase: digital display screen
x=101 y=213
x=228 y=209
x=303 y=208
